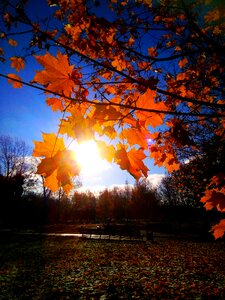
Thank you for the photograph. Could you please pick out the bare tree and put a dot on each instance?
(13, 153)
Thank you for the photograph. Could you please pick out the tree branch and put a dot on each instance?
(124, 106)
(134, 80)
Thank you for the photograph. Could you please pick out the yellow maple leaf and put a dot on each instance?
(57, 73)
(109, 131)
(49, 147)
(79, 127)
(51, 182)
(106, 152)
(13, 80)
(17, 63)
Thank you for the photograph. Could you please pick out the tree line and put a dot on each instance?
(174, 201)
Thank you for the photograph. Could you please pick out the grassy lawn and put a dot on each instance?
(68, 268)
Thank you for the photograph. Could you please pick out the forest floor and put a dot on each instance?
(48, 267)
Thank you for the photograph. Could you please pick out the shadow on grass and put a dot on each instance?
(50, 267)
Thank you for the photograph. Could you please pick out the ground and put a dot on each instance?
(43, 267)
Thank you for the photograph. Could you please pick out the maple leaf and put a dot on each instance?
(55, 103)
(182, 76)
(77, 126)
(214, 198)
(106, 152)
(182, 63)
(1, 52)
(181, 134)
(106, 113)
(213, 15)
(107, 74)
(17, 63)
(219, 229)
(132, 161)
(15, 84)
(12, 42)
(58, 170)
(74, 31)
(110, 132)
(57, 75)
(217, 181)
(119, 63)
(51, 181)
(136, 136)
(147, 101)
(164, 156)
(49, 147)
(152, 52)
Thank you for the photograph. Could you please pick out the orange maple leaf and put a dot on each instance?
(132, 161)
(58, 170)
(17, 63)
(152, 52)
(219, 229)
(57, 75)
(1, 52)
(214, 198)
(106, 113)
(164, 156)
(136, 136)
(15, 84)
(147, 101)
(182, 76)
(49, 147)
(182, 63)
(119, 63)
(12, 42)
(55, 103)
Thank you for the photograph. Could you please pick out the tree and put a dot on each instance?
(144, 201)
(13, 153)
(84, 206)
(16, 161)
(14, 176)
(104, 205)
(118, 71)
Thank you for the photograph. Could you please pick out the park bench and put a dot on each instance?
(117, 232)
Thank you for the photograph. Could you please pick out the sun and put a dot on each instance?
(88, 157)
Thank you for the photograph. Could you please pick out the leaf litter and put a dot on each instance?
(68, 268)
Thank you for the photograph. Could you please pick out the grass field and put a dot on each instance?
(38, 267)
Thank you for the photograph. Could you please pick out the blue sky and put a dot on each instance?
(24, 114)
